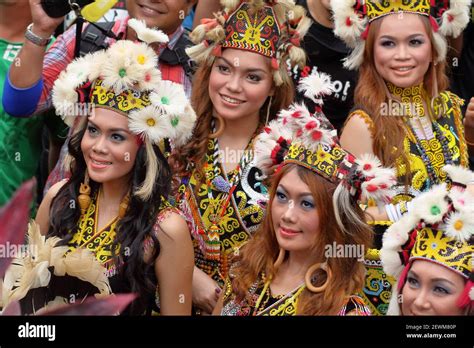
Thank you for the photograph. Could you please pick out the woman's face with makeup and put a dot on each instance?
(240, 83)
(402, 49)
(108, 147)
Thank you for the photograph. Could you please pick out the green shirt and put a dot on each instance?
(20, 138)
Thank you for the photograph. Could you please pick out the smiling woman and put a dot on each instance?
(109, 148)
(284, 269)
(114, 206)
(403, 112)
(239, 87)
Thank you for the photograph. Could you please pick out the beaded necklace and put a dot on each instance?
(225, 185)
(415, 96)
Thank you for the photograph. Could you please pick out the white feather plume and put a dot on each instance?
(146, 34)
(456, 18)
(459, 174)
(267, 141)
(393, 239)
(356, 58)
(343, 11)
(379, 180)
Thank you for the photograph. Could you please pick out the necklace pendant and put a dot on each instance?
(213, 244)
(221, 184)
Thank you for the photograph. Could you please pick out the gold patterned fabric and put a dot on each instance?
(260, 301)
(380, 8)
(450, 124)
(378, 286)
(241, 218)
(100, 242)
(432, 244)
(124, 103)
(329, 160)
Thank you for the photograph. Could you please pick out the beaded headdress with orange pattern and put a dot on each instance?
(352, 20)
(439, 228)
(125, 78)
(308, 140)
(272, 28)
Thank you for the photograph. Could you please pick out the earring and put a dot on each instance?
(84, 197)
(268, 110)
(309, 274)
(219, 131)
(280, 258)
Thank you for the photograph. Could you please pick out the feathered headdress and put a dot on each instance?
(352, 20)
(125, 78)
(439, 228)
(272, 28)
(308, 140)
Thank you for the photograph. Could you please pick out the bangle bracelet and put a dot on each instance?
(468, 142)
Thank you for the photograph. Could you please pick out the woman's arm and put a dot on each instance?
(174, 266)
(356, 136)
(469, 126)
(205, 291)
(42, 216)
(220, 303)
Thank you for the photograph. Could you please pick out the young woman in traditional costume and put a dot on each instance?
(430, 251)
(403, 113)
(292, 265)
(114, 204)
(241, 84)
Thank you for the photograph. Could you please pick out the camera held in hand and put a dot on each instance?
(60, 8)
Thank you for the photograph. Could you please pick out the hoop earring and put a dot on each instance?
(268, 110)
(324, 266)
(218, 132)
(84, 197)
(280, 258)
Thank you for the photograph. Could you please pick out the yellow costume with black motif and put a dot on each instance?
(101, 244)
(202, 203)
(260, 301)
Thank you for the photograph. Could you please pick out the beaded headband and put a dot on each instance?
(352, 20)
(125, 78)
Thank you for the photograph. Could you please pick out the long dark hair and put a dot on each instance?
(131, 230)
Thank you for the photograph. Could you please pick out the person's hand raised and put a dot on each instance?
(43, 25)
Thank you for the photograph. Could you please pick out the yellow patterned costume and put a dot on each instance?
(101, 242)
(240, 218)
(261, 302)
